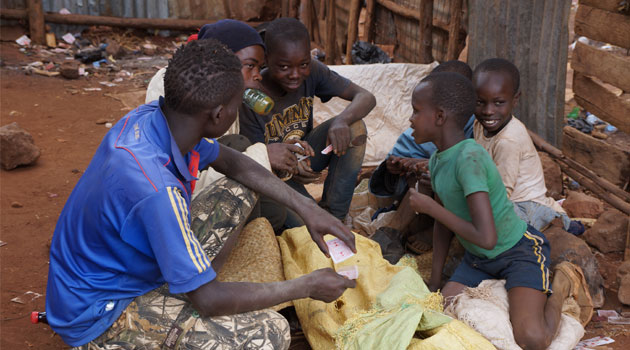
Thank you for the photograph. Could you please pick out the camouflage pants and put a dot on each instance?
(160, 320)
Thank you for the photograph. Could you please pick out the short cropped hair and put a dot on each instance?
(285, 29)
(500, 65)
(453, 93)
(202, 74)
(455, 66)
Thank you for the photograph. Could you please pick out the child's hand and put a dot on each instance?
(393, 165)
(420, 203)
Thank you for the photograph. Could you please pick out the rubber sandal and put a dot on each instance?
(416, 246)
(578, 289)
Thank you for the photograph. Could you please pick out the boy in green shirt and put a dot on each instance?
(499, 245)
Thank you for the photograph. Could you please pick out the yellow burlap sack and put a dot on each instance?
(388, 306)
(255, 257)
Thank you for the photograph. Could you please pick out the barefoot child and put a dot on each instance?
(499, 245)
(496, 82)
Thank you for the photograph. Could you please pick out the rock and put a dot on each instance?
(553, 176)
(608, 234)
(624, 290)
(16, 205)
(567, 247)
(17, 147)
(623, 269)
(149, 49)
(69, 70)
(101, 121)
(580, 205)
(113, 48)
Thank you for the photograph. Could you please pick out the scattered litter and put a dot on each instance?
(97, 64)
(26, 297)
(144, 58)
(49, 66)
(75, 171)
(351, 272)
(69, 38)
(107, 83)
(23, 40)
(52, 195)
(618, 320)
(51, 40)
(61, 140)
(3, 243)
(45, 72)
(35, 64)
(101, 121)
(108, 125)
(82, 71)
(339, 251)
(597, 341)
(92, 89)
(64, 11)
(118, 80)
(14, 113)
(16, 205)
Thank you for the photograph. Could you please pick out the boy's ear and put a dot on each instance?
(215, 115)
(440, 117)
(517, 95)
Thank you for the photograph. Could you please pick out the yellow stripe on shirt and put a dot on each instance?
(172, 193)
(199, 252)
(540, 258)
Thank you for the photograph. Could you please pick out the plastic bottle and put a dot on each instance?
(258, 101)
(574, 114)
(38, 317)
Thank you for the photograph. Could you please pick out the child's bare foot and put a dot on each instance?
(568, 281)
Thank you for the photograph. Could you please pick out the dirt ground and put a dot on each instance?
(62, 117)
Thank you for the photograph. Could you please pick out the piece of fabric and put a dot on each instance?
(236, 35)
(515, 155)
(146, 322)
(389, 304)
(392, 85)
(539, 215)
(292, 114)
(466, 168)
(486, 310)
(524, 265)
(125, 229)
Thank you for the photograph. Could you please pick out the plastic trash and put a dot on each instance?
(593, 119)
(366, 53)
(574, 114)
(609, 129)
(581, 125)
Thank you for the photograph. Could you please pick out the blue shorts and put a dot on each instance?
(524, 265)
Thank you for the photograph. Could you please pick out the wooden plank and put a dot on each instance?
(604, 26)
(608, 5)
(602, 102)
(453, 30)
(331, 20)
(606, 66)
(369, 20)
(143, 23)
(353, 28)
(36, 25)
(306, 17)
(426, 31)
(610, 161)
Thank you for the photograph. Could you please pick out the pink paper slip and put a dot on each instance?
(351, 272)
(327, 149)
(339, 251)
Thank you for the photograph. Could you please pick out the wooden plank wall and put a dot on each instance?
(534, 35)
(599, 80)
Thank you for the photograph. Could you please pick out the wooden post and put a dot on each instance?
(453, 29)
(330, 32)
(369, 20)
(426, 32)
(294, 8)
(284, 10)
(317, 36)
(226, 7)
(353, 28)
(36, 21)
(306, 18)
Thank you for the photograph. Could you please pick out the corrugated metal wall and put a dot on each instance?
(534, 35)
